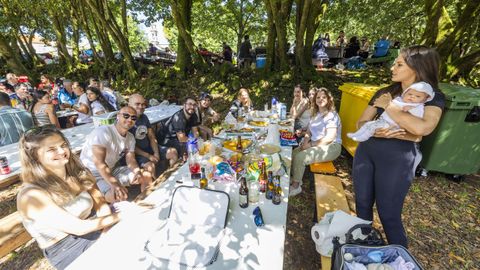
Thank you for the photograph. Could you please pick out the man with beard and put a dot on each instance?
(174, 132)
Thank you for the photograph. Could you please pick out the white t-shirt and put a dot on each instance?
(97, 107)
(107, 136)
(82, 117)
(318, 126)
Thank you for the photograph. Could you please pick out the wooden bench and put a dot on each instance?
(12, 234)
(330, 196)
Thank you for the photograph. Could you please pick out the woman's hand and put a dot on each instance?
(383, 101)
(390, 133)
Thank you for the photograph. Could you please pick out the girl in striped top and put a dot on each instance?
(42, 109)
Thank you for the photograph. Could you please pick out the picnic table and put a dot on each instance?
(244, 245)
(76, 136)
(335, 52)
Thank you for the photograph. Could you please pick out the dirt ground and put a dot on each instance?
(442, 219)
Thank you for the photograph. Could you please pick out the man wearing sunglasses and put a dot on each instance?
(180, 125)
(147, 152)
(105, 147)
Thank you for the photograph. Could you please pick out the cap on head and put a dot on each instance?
(422, 87)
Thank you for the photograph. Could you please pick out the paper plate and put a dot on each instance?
(269, 149)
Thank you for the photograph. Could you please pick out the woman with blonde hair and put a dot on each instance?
(322, 142)
(243, 101)
(60, 204)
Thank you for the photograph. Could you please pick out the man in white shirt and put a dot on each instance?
(104, 147)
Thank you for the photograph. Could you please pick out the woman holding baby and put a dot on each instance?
(384, 165)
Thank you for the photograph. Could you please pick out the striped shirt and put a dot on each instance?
(13, 123)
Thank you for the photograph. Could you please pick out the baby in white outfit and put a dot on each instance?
(412, 100)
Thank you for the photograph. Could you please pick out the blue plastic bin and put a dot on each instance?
(261, 61)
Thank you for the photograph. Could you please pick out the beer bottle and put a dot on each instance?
(203, 180)
(239, 146)
(263, 178)
(243, 193)
(277, 191)
(270, 187)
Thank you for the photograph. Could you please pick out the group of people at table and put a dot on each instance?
(23, 107)
(65, 199)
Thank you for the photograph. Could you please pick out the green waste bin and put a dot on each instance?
(454, 146)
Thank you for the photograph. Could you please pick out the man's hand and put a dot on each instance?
(120, 193)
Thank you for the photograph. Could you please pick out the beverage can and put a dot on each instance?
(4, 168)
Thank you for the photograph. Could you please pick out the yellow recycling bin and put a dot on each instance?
(355, 98)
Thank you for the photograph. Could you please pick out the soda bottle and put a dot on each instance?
(243, 193)
(270, 187)
(277, 192)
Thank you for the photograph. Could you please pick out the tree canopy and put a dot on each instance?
(452, 26)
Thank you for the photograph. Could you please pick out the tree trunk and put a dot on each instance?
(272, 35)
(11, 56)
(182, 13)
(60, 34)
(280, 11)
(105, 15)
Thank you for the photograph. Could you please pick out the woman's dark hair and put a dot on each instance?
(37, 95)
(101, 98)
(424, 61)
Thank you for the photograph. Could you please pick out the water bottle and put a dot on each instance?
(274, 105)
(283, 111)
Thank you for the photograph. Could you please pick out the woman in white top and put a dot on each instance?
(98, 103)
(60, 204)
(82, 105)
(322, 141)
(42, 109)
(300, 108)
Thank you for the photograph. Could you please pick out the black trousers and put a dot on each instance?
(382, 174)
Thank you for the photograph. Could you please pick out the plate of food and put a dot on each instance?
(285, 123)
(232, 144)
(269, 149)
(258, 123)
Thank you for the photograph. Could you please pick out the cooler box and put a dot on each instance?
(454, 146)
(261, 61)
(355, 98)
(104, 119)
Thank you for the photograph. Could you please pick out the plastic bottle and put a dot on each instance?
(274, 105)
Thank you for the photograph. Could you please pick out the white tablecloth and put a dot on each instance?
(245, 245)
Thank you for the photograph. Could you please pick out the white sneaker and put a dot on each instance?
(295, 191)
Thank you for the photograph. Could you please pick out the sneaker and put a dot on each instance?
(294, 191)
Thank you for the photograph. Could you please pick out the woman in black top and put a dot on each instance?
(383, 167)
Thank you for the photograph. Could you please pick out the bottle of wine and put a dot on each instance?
(243, 193)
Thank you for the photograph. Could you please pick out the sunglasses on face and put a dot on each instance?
(258, 218)
(127, 116)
